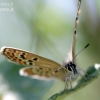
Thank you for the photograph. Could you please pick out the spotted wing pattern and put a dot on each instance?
(27, 58)
(40, 72)
(41, 67)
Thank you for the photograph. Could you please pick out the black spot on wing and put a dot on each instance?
(14, 59)
(41, 68)
(14, 50)
(20, 60)
(23, 53)
(35, 59)
(8, 53)
(22, 56)
(24, 63)
(12, 54)
(30, 63)
(56, 71)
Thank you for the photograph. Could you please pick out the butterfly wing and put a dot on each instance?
(73, 46)
(27, 58)
(41, 72)
(75, 30)
(41, 67)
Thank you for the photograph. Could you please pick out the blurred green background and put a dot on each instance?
(45, 27)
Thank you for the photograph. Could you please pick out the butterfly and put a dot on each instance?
(43, 68)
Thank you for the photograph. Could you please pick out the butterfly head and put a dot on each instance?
(71, 67)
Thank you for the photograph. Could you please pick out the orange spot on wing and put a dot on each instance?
(11, 54)
(29, 71)
(22, 63)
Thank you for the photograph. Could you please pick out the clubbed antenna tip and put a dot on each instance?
(81, 50)
(87, 45)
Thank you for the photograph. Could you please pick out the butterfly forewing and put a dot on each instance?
(27, 58)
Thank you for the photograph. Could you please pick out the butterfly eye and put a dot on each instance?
(69, 68)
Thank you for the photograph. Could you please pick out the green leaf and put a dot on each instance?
(93, 73)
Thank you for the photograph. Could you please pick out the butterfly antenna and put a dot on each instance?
(81, 50)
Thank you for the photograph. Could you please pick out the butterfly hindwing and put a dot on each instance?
(40, 72)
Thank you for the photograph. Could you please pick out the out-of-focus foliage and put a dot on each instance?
(45, 27)
(13, 84)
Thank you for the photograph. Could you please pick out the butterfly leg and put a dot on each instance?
(84, 72)
(83, 77)
(70, 80)
(65, 87)
(81, 70)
